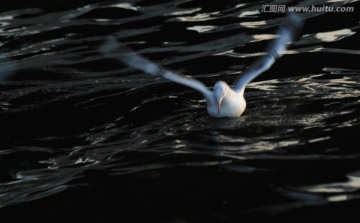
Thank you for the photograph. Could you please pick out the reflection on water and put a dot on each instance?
(125, 6)
(201, 29)
(67, 112)
(248, 13)
(255, 24)
(335, 35)
(351, 185)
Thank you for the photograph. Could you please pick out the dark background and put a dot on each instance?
(86, 139)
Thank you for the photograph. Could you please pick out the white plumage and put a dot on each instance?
(223, 101)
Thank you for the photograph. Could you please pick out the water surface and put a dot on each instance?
(85, 138)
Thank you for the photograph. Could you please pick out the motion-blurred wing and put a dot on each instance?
(287, 33)
(134, 60)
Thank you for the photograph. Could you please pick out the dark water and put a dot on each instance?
(86, 139)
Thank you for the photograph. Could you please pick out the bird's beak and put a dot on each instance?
(219, 105)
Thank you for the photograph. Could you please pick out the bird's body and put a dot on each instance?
(233, 103)
(222, 101)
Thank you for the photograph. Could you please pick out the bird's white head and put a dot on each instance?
(220, 90)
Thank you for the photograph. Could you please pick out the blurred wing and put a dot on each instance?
(130, 58)
(287, 33)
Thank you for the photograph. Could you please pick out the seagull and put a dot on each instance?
(223, 100)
